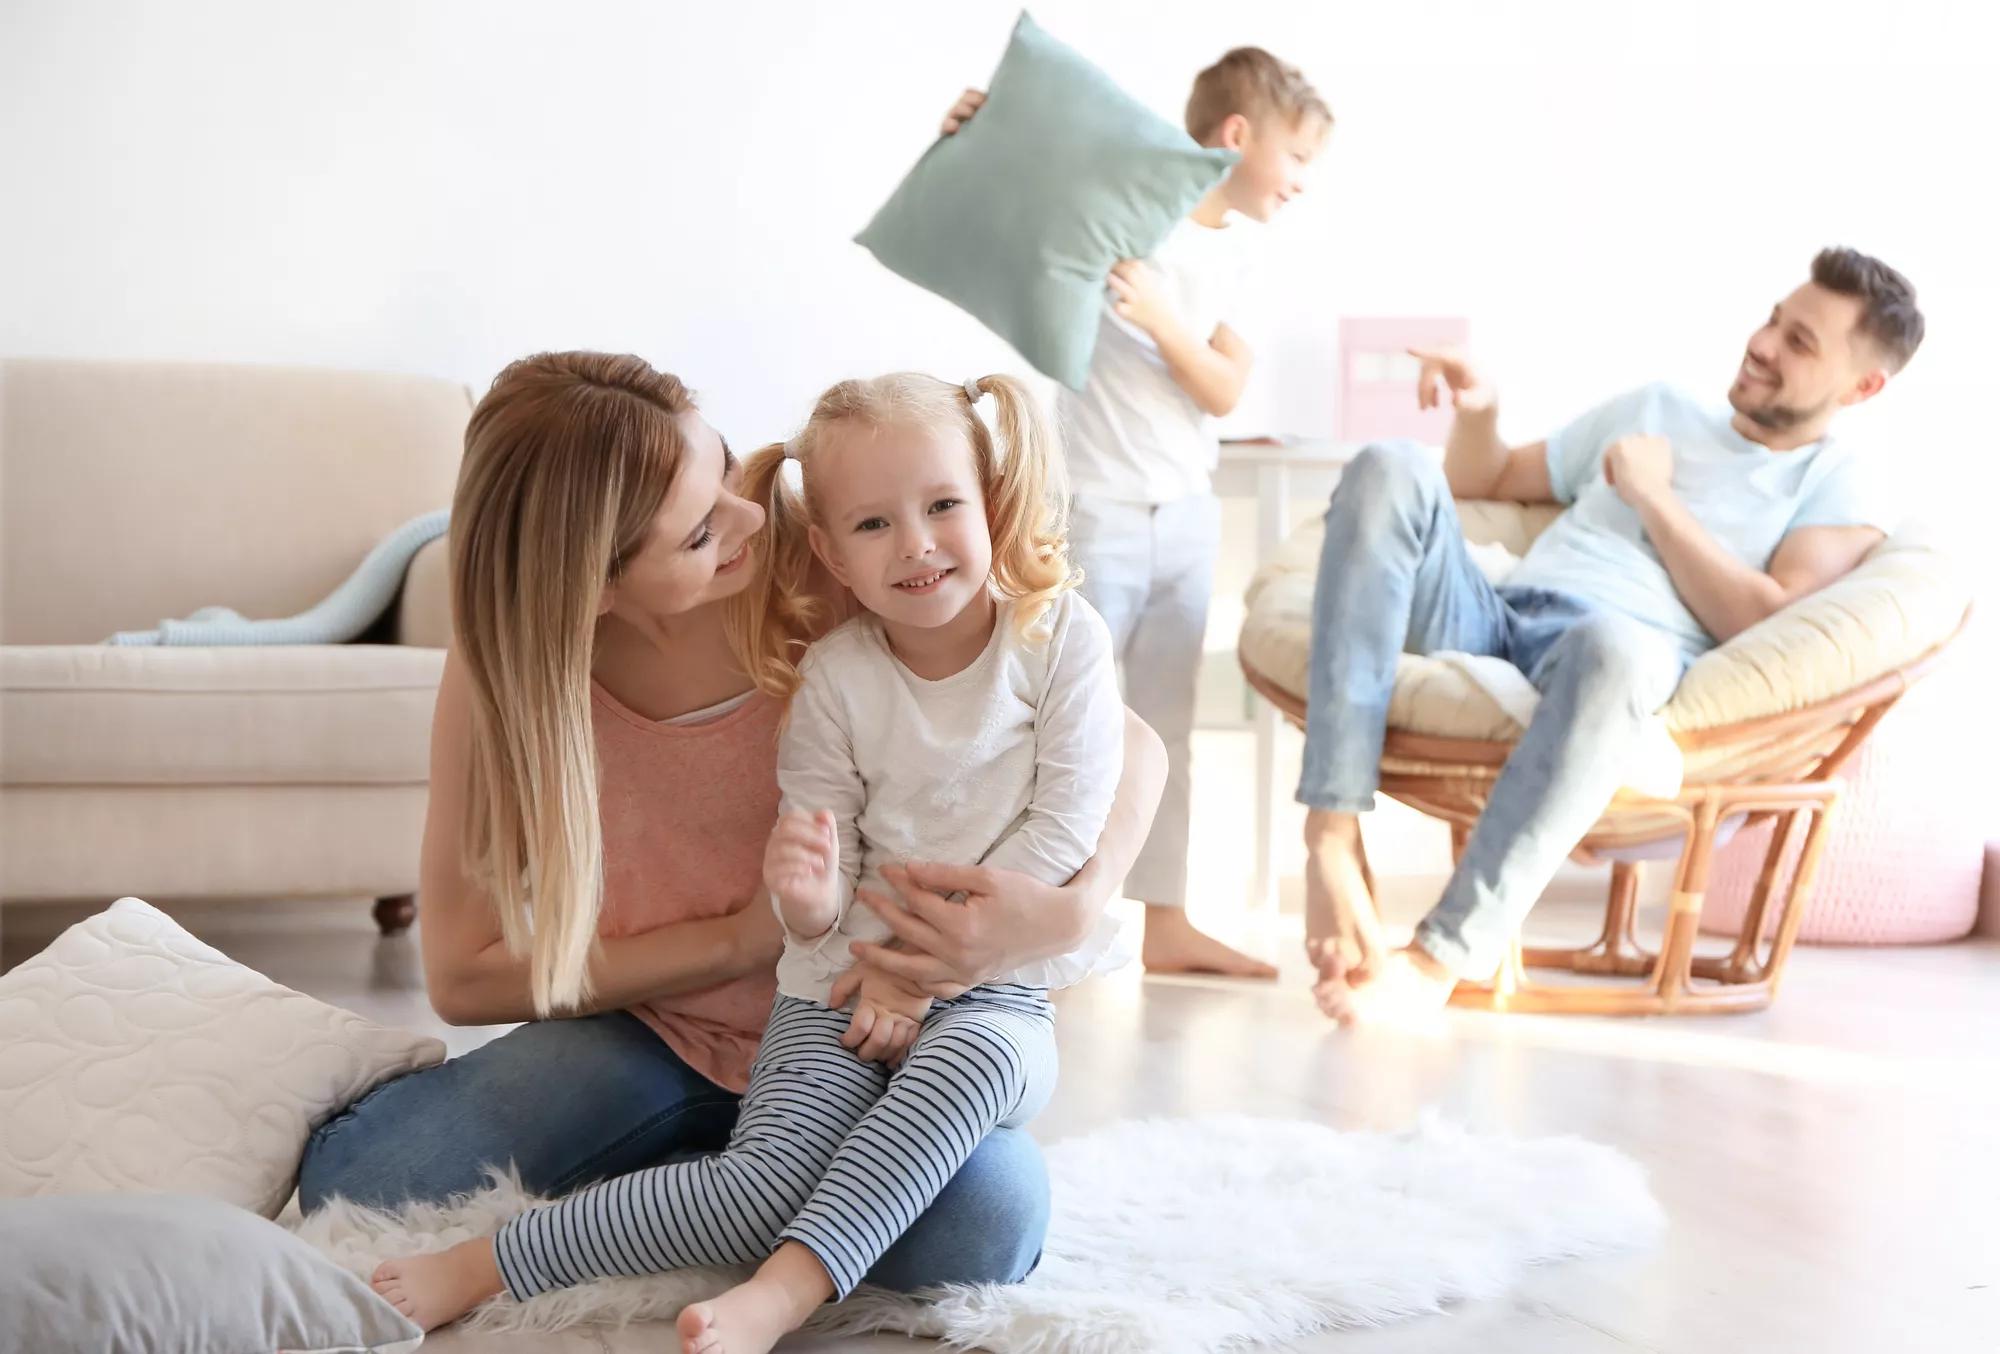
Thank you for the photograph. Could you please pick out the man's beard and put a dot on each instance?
(1778, 418)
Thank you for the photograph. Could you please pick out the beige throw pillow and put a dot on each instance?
(135, 1058)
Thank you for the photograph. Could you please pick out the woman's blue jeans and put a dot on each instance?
(569, 1102)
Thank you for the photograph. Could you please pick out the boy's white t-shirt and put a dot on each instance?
(1131, 434)
(1012, 762)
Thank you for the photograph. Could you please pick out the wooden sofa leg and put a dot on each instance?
(394, 915)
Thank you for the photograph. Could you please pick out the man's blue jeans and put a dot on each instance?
(569, 1102)
(1395, 577)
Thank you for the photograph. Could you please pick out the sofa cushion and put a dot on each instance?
(138, 490)
(315, 715)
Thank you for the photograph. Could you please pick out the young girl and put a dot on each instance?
(970, 713)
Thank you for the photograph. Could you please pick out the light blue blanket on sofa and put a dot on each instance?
(347, 611)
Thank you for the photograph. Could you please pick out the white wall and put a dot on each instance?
(1612, 193)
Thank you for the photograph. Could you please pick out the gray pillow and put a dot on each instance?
(172, 1274)
(1018, 218)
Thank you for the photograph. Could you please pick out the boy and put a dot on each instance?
(1142, 450)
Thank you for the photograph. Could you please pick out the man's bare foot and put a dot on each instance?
(1343, 930)
(760, 1311)
(440, 1287)
(1173, 945)
(1407, 987)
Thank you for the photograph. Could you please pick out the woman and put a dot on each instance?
(596, 738)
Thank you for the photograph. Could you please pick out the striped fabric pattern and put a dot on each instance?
(836, 1153)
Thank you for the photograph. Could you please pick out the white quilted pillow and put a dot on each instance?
(134, 1057)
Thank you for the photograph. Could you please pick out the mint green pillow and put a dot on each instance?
(1018, 218)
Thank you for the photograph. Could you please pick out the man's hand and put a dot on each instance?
(801, 870)
(961, 112)
(1453, 369)
(1640, 468)
(888, 1012)
(1137, 298)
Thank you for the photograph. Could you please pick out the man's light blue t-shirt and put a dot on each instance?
(1746, 495)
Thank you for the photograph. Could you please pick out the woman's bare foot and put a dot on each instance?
(1173, 945)
(760, 1311)
(1407, 987)
(442, 1286)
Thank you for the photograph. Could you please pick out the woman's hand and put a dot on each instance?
(757, 935)
(1007, 919)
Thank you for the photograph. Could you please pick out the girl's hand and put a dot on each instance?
(888, 1013)
(799, 870)
(1007, 919)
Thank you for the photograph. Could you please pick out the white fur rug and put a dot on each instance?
(1176, 1235)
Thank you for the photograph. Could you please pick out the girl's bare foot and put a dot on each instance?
(440, 1287)
(762, 1310)
(748, 1319)
(1173, 945)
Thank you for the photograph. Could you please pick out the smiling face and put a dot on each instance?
(1806, 361)
(698, 548)
(900, 520)
(1276, 154)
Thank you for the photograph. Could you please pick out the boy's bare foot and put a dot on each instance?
(1173, 945)
(760, 1311)
(1407, 987)
(1343, 930)
(440, 1287)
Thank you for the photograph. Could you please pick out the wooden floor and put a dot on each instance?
(1830, 1168)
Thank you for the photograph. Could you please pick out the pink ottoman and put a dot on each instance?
(1908, 843)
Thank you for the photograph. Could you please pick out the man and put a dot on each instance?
(1685, 526)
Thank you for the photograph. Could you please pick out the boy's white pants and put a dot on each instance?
(1149, 569)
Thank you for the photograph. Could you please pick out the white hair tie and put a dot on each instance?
(792, 470)
(983, 411)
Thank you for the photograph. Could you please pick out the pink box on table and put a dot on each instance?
(1378, 377)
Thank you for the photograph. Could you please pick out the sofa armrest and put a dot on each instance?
(423, 620)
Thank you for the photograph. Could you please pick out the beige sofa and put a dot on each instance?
(130, 492)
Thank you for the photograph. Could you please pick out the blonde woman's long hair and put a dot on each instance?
(567, 461)
(1020, 468)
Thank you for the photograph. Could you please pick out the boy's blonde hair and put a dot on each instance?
(1020, 476)
(1250, 81)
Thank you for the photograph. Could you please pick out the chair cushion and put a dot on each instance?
(1903, 600)
(314, 715)
(1018, 218)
